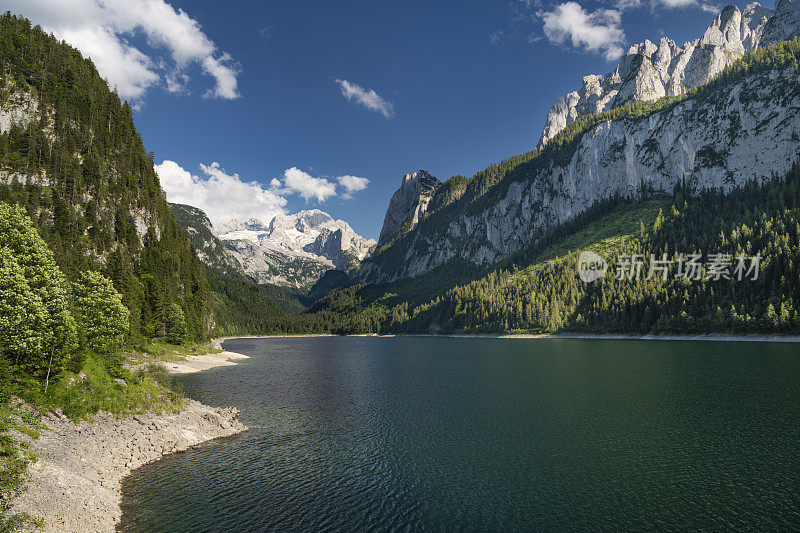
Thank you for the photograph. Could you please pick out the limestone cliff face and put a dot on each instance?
(741, 130)
(785, 23)
(408, 204)
(651, 71)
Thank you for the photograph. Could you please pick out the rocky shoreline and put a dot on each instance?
(75, 485)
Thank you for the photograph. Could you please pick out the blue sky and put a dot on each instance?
(459, 85)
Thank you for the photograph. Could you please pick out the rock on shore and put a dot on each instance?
(76, 483)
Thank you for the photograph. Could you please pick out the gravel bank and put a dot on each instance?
(198, 363)
(75, 484)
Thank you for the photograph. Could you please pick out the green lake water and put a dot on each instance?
(472, 434)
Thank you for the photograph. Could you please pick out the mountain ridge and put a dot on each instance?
(752, 126)
(650, 71)
(294, 250)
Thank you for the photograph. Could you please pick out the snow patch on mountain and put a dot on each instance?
(294, 250)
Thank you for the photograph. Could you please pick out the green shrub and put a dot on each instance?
(94, 389)
(101, 315)
(37, 331)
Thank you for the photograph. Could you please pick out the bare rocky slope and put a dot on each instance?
(744, 129)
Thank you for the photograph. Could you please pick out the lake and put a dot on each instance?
(476, 434)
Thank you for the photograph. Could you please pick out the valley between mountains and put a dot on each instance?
(679, 171)
(671, 134)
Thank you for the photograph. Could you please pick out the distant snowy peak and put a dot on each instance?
(294, 249)
(651, 71)
(298, 232)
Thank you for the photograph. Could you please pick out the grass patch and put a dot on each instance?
(93, 389)
(14, 454)
(15, 457)
(610, 231)
(79, 395)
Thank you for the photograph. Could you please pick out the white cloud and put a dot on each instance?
(222, 196)
(625, 5)
(226, 197)
(307, 186)
(100, 29)
(496, 37)
(599, 31)
(368, 98)
(224, 71)
(351, 185)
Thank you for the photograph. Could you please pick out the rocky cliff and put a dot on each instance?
(650, 71)
(294, 250)
(742, 126)
(408, 204)
(784, 23)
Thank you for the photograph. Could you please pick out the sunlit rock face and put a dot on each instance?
(747, 129)
(294, 250)
(408, 204)
(650, 71)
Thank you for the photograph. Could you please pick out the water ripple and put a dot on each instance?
(359, 434)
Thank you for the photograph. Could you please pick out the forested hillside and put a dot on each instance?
(538, 290)
(70, 154)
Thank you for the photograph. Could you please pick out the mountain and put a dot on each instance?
(408, 204)
(331, 280)
(538, 290)
(784, 23)
(209, 248)
(294, 250)
(71, 156)
(650, 71)
(743, 125)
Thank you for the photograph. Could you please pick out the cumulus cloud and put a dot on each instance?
(222, 196)
(101, 30)
(368, 98)
(599, 31)
(307, 186)
(351, 185)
